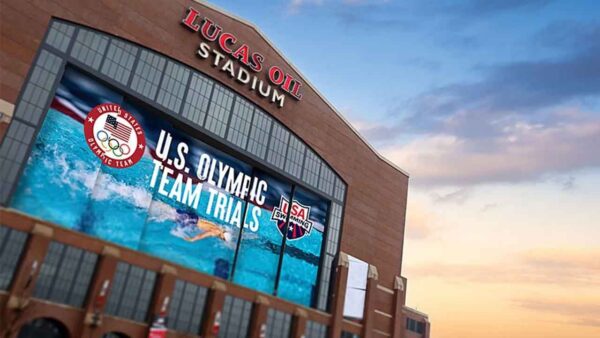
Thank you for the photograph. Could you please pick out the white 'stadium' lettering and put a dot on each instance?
(228, 48)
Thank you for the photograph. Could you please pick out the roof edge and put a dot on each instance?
(314, 88)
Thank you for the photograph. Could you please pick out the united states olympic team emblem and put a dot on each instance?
(300, 224)
(114, 135)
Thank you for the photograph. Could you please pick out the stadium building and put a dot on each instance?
(166, 172)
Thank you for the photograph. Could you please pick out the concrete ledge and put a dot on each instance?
(344, 260)
(301, 313)
(399, 284)
(111, 251)
(373, 274)
(17, 303)
(168, 270)
(260, 299)
(42, 230)
(218, 286)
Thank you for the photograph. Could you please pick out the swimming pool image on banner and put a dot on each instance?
(110, 166)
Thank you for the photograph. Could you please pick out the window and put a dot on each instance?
(65, 275)
(235, 318)
(415, 326)
(12, 243)
(147, 74)
(219, 110)
(278, 145)
(259, 134)
(295, 156)
(89, 48)
(119, 60)
(240, 123)
(327, 180)
(60, 35)
(196, 102)
(12, 154)
(300, 264)
(131, 292)
(278, 324)
(186, 307)
(312, 166)
(315, 330)
(173, 85)
(37, 90)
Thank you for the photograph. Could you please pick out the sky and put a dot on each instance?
(493, 107)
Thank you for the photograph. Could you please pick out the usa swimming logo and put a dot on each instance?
(300, 224)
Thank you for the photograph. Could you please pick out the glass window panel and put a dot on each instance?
(198, 97)
(340, 189)
(12, 155)
(239, 126)
(259, 134)
(312, 166)
(119, 60)
(219, 110)
(64, 275)
(327, 179)
(258, 255)
(12, 243)
(131, 292)
(295, 156)
(173, 85)
(148, 73)
(187, 307)
(235, 318)
(89, 47)
(315, 330)
(60, 35)
(37, 90)
(278, 145)
(298, 282)
(278, 324)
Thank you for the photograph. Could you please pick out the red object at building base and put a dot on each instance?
(158, 329)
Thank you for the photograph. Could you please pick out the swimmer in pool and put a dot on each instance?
(209, 229)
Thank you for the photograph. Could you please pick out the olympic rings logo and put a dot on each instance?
(111, 144)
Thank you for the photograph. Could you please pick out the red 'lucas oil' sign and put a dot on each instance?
(280, 83)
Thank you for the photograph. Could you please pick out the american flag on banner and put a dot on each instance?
(118, 130)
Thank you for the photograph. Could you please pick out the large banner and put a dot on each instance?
(110, 166)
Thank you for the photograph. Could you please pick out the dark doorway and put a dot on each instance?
(114, 335)
(43, 327)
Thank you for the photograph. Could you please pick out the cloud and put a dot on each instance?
(521, 152)
(554, 266)
(482, 7)
(296, 5)
(489, 206)
(459, 196)
(521, 121)
(585, 314)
